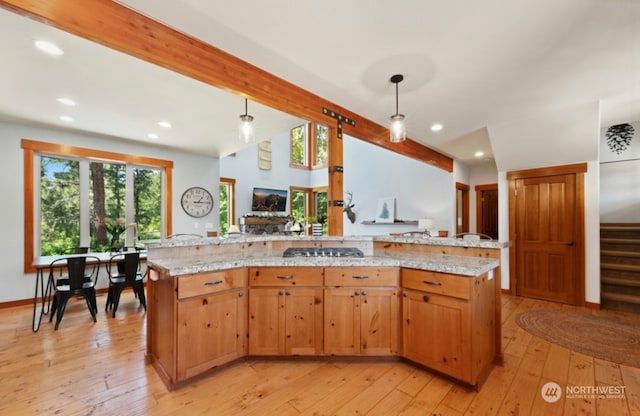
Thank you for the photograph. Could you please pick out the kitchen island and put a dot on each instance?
(431, 301)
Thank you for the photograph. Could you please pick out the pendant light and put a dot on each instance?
(247, 133)
(397, 129)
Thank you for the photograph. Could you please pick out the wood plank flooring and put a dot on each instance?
(98, 369)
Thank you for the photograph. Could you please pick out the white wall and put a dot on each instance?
(243, 167)
(421, 190)
(189, 170)
(620, 180)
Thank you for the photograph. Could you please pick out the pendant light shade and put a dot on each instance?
(397, 129)
(247, 133)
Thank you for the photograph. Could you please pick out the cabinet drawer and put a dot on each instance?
(441, 283)
(360, 276)
(206, 283)
(285, 276)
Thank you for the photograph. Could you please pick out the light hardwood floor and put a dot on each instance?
(98, 369)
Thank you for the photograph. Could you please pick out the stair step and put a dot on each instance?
(620, 281)
(619, 253)
(620, 297)
(618, 266)
(619, 240)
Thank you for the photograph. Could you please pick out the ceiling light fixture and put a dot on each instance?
(67, 119)
(247, 133)
(66, 101)
(436, 127)
(152, 136)
(48, 47)
(397, 129)
(164, 124)
(479, 153)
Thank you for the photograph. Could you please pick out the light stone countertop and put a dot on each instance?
(462, 265)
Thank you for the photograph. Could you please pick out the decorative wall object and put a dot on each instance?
(386, 210)
(348, 208)
(264, 155)
(619, 137)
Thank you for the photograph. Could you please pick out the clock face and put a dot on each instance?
(197, 202)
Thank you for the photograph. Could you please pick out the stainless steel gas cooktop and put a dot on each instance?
(322, 252)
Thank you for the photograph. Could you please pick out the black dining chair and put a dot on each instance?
(72, 284)
(126, 273)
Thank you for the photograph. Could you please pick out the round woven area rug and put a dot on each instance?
(597, 336)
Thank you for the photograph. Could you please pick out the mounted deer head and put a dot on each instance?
(347, 208)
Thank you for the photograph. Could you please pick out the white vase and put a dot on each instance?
(316, 230)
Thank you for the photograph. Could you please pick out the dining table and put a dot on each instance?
(43, 291)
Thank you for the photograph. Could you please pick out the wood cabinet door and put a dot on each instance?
(342, 321)
(266, 329)
(379, 321)
(211, 331)
(437, 333)
(303, 312)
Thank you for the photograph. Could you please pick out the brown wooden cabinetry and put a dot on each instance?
(285, 311)
(448, 322)
(204, 315)
(361, 311)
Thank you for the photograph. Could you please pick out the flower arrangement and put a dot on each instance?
(115, 228)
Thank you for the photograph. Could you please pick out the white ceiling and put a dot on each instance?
(485, 70)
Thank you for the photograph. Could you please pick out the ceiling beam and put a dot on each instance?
(118, 27)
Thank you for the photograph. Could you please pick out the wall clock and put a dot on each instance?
(197, 202)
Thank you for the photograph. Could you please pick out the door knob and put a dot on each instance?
(569, 243)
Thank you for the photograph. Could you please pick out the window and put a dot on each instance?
(309, 202)
(77, 191)
(307, 148)
(321, 145)
(299, 146)
(227, 204)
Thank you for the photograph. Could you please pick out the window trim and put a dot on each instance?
(313, 144)
(231, 202)
(33, 147)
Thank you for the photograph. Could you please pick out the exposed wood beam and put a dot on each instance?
(120, 28)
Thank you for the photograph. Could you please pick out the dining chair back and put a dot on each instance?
(125, 274)
(72, 284)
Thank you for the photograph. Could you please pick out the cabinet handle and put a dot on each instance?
(360, 277)
(425, 298)
(217, 282)
(240, 294)
(287, 277)
(356, 293)
(364, 293)
(281, 292)
(405, 295)
(287, 293)
(429, 282)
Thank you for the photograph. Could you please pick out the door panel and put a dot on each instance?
(545, 228)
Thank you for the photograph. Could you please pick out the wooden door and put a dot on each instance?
(303, 321)
(546, 237)
(487, 211)
(379, 321)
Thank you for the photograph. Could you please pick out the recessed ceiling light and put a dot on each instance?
(479, 153)
(164, 124)
(153, 136)
(436, 127)
(48, 47)
(66, 101)
(68, 119)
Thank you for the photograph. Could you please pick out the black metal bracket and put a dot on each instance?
(336, 203)
(336, 168)
(340, 118)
